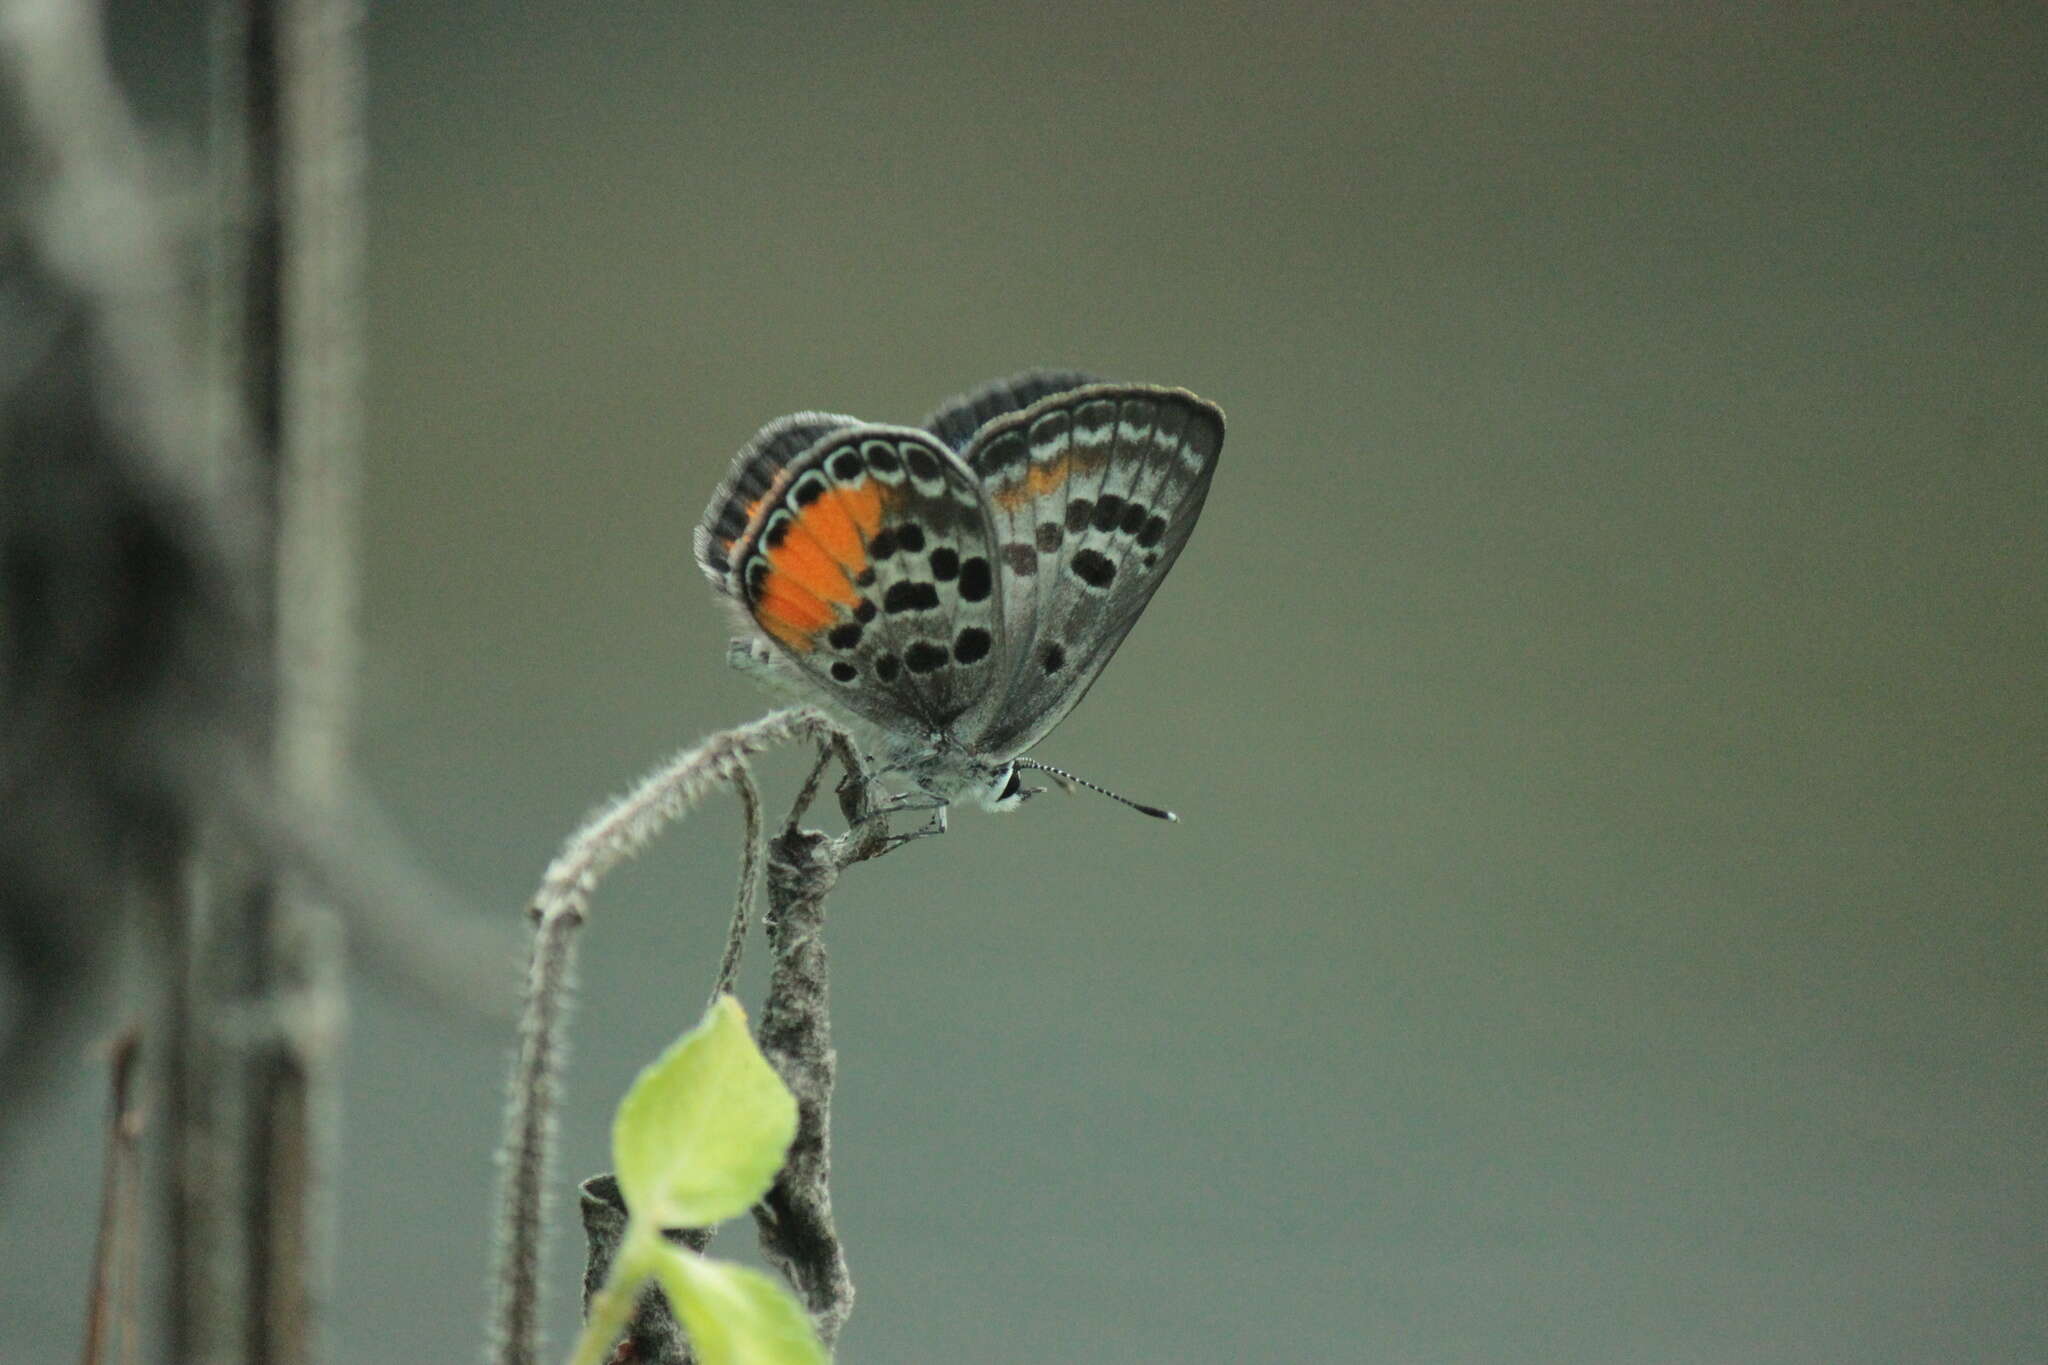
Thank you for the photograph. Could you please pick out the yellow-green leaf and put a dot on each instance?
(703, 1131)
(736, 1316)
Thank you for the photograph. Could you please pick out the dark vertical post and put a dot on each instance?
(288, 152)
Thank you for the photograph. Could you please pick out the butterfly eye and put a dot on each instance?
(1005, 791)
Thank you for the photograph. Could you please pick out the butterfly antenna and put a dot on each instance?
(1155, 812)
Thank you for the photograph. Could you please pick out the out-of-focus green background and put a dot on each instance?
(1605, 697)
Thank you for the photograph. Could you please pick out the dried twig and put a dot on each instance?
(750, 885)
(110, 1309)
(795, 1220)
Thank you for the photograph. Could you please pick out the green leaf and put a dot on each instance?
(703, 1131)
(736, 1316)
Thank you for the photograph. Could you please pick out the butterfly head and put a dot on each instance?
(1004, 789)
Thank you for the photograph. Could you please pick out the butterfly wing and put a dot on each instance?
(755, 471)
(1091, 494)
(866, 562)
(957, 422)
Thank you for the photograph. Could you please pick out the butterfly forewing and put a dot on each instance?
(867, 564)
(1091, 495)
(755, 472)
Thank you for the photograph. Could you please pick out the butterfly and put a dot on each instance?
(947, 593)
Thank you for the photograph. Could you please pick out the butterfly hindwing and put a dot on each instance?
(867, 564)
(956, 423)
(1091, 495)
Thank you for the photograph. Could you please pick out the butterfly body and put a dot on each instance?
(949, 592)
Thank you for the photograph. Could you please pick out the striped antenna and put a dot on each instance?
(1064, 776)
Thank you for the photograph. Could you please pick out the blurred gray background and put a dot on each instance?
(1604, 697)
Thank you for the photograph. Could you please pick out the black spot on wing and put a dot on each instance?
(925, 657)
(1094, 568)
(910, 595)
(972, 645)
(976, 579)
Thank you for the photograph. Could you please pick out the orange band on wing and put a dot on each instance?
(810, 574)
(803, 563)
(1043, 479)
(789, 613)
(843, 520)
(825, 545)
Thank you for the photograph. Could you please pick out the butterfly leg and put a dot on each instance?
(935, 825)
(913, 801)
(750, 657)
(900, 803)
(758, 662)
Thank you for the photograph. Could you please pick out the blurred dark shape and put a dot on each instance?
(121, 647)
